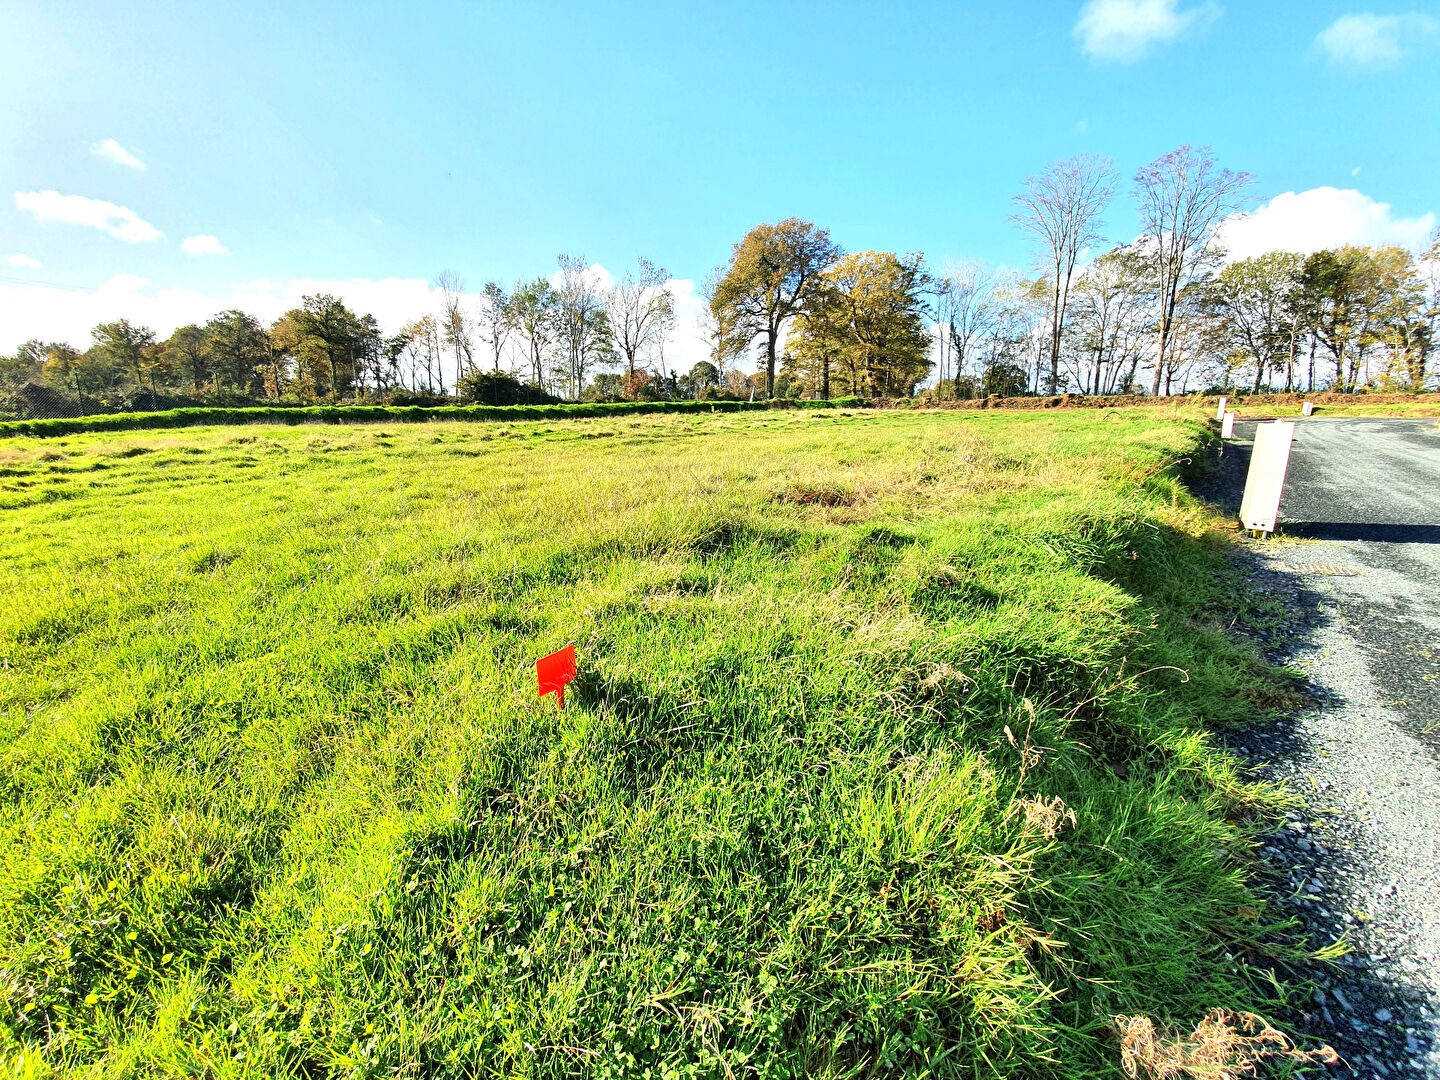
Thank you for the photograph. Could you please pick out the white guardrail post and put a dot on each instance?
(1220, 410)
(1227, 425)
(1265, 483)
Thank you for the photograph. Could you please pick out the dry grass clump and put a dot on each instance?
(1225, 1045)
(1048, 817)
(941, 675)
(817, 494)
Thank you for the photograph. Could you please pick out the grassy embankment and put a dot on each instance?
(1420, 408)
(280, 800)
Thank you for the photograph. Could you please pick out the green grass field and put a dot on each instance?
(888, 754)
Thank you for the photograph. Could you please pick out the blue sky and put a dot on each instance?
(378, 144)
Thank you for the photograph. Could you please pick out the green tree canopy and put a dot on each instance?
(1257, 309)
(329, 344)
(772, 276)
(125, 352)
(239, 349)
(866, 328)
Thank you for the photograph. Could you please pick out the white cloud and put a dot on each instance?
(1366, 40)
(31, 311)
(203, 244)
(113, 151)
(1124, 30)
(1322, 217)
(26, 261)
(688, 344)
(119, 221)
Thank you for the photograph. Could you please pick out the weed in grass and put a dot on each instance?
(1225, 1045)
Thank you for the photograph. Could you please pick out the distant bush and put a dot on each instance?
(500, 388)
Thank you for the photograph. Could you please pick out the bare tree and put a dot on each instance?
(1429, 269)
(419, 346)
(966, 307)
(642, 312)
(582, 323)
(455, 324)
(1061, 208)
(1195, 339)
(1109, 327)
(1183, 197)
(497, 319)
(707, 326)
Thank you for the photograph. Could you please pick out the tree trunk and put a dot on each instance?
(1054, 355)
(770, 337)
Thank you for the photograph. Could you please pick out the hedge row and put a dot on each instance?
(372, 414)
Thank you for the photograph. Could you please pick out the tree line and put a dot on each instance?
(542, 340)
(1164, 312)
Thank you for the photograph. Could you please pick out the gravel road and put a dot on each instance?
(1357, 563)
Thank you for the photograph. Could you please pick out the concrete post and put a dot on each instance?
(1265, 483)
(1227, 426)
(1306, 408)
(1220, 411)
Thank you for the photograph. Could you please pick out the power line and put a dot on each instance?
(48, 284)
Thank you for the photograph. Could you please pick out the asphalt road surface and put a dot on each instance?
(1357, 560)
(1380, 477)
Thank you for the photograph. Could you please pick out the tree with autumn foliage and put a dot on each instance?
(866, 331)
(774, 275)
(332, 349)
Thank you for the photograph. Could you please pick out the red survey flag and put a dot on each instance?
(554, 671)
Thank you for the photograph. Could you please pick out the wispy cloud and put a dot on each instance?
(1125, 30)
(113, 151)
(203, 244)
(1366, 40)
(118, 221)
(1322, 217)
(26, 262)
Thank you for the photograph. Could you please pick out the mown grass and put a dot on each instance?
(279, 798)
